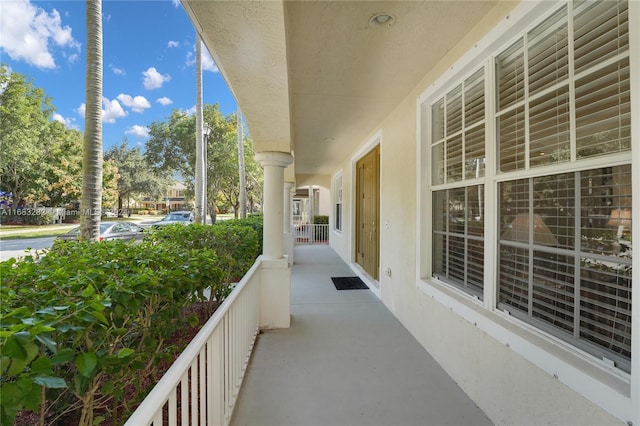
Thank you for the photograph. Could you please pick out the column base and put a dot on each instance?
(275, 293)
(289, 243)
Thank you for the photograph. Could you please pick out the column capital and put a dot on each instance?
(274, 158)
(288, 186)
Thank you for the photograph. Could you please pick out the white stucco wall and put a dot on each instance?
(508, 387)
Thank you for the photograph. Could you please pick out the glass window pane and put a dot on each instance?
(454, 111)
(437, 121)
(548, 52)
(605, 198)
(474, 157)
(437, 164)
(454, 159)
(475, 266)
(510, 76)
(549, 128)
(553, 289)
(554, 211)
(511, 140)
(514, 210)
(603, 111)
(475, 210)
(601, 31)
(474, 99)
(605, 306)
(440, 211)
(514, 278)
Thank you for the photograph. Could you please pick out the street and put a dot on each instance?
(16, 248)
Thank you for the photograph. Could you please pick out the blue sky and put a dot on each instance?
(148, 53)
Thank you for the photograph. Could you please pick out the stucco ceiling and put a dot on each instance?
(315, 77)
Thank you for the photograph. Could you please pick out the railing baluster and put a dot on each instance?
(202, 393)
(210, 370)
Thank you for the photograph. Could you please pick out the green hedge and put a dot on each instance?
(87, 320)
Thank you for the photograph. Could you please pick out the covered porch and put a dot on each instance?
(345, 360)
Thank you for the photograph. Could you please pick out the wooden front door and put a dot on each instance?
(368, 212)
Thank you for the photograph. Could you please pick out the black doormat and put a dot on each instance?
(349, 283)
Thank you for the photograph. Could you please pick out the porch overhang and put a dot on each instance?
(315, 78)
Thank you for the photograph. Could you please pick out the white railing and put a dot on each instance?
(201, 386)
(311, 233)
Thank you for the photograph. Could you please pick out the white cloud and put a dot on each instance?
(117, 71)
(69, 123)
(137, 104)
(31, 34)
(153, 79)
(173, 43)
(176, 3)
(112, 110)
(164, 101)
(208, 63)
(137, 130)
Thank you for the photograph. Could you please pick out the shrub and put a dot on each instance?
(89, 319)
(321, 220)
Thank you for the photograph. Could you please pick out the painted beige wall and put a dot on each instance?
(508, 388)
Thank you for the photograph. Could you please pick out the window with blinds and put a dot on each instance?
(458, 156)
(337, 191)
(564, 242)
(562, 97)
(458, 237)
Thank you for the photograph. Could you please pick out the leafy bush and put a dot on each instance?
(41, 218)
(321, 220)
(89, 319)
(254, 221)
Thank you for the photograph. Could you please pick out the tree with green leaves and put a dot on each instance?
(135, 175)
(171, 148)
(25, 111)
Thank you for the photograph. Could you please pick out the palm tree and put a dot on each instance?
(91, 199)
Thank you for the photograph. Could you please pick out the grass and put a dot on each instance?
(33, 233)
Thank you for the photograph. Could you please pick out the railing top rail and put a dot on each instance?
(161, 391)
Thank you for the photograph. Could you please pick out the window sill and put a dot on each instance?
(600, 383)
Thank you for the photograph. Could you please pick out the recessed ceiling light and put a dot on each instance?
(382, 19)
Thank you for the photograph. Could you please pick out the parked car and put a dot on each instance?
(125, 231)
(183, 217)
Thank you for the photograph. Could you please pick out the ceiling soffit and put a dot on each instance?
(247, 42)
(315, 77)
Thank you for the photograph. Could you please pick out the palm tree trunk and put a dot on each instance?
(243, 177)
(91, 198)
(201, 167)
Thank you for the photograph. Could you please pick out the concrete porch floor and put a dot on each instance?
(346, 360)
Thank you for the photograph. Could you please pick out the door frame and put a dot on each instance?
(375, 140)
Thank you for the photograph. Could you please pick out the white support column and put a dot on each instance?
(273, 164)
(275, 286)
(288, 238)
